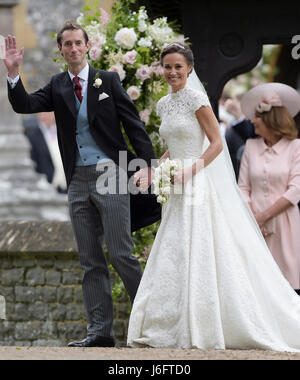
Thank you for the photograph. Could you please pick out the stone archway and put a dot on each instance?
(227, 38)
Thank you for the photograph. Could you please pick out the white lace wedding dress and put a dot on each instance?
(210, 281)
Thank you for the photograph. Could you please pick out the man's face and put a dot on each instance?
(74, 47)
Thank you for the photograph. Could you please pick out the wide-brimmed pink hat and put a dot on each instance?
(263, 97)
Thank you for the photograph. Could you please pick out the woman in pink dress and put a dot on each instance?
(270, 173)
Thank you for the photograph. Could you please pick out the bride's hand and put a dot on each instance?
(182, 176)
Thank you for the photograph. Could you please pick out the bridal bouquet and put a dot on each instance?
(162, 179)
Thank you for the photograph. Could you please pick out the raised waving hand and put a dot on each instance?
(13, 57)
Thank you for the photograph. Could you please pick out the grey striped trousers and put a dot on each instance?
(95, 218)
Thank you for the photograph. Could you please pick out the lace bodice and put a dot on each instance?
(180, 127)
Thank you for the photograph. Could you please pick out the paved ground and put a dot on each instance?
(59, 353)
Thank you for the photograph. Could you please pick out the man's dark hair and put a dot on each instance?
(71, 25)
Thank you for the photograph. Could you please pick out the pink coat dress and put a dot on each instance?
(267, 174)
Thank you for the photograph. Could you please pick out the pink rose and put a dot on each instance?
(133, 92)
(129, 57)
(145, 115)
(157, 68)
(98, 40)
(95, 53)
(118, 68)
(143, 73)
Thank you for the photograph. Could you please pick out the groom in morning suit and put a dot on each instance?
(89, 134)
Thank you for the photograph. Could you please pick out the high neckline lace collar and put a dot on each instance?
(179, 92)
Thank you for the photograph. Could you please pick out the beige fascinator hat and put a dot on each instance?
(263, 97)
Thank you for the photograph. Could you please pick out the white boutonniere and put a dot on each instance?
(98, 81)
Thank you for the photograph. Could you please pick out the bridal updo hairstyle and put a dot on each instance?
(177, 47)
(280, 122)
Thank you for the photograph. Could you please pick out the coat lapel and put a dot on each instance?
(68, 94)
(92, 96)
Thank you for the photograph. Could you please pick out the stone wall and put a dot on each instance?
(40, 277)
(35, 22)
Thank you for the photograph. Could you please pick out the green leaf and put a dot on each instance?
(86, 8)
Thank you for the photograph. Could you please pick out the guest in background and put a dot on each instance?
(239, 131)
(225, 118)
(42, 135)
(270, 172)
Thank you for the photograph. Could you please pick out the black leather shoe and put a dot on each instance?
(94, 341)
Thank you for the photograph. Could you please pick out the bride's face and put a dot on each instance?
(176, 70)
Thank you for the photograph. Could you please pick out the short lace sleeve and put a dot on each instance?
(197, 100)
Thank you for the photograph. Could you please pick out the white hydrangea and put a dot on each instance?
(160, 32)
(93, 30)
(80, 19)
(126, 38)
(143, 14)
(142, 17)
(142, 26)
(162, 179)
(145, 42)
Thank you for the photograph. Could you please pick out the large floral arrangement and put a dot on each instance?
(128, 42)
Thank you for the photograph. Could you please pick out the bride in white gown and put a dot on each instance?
(210, 281)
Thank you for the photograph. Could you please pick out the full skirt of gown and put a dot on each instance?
(210, 281)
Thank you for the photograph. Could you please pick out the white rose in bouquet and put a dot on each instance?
(162, 179)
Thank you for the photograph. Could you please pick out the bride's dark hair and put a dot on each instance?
(177, 47)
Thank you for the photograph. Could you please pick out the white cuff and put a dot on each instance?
(13, 82)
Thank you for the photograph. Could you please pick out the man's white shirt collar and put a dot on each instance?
(84, 74)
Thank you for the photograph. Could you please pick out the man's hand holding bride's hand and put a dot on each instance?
(13, 57)
(143, 178)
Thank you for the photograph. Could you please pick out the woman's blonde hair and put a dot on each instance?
(280, 122)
